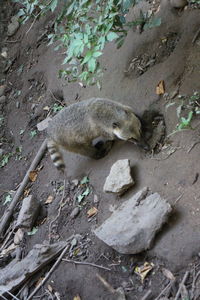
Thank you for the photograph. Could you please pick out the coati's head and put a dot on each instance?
(129, 128)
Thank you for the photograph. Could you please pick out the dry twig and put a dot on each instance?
(86, 263)
(106, 284)
(7, 215)
(50, 271)
(147, 295)
(185, 277)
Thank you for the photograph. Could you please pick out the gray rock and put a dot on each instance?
(13, 26)
(2, 99)
(2, 90)
(1, 152)
(119, 179)
(132, 227)
(43, 124)
(28, 213)
(75, 212)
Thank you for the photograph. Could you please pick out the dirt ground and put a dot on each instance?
(33, 88)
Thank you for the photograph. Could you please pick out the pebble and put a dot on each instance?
(17, 104)
(2, 90)
(75, 212)
(13, 26)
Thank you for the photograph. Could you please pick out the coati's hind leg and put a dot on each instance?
(55, 154)
(101, 147)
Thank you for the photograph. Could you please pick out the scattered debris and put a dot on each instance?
(43, 124)
(28, 213)
(119, 292)
(7, 215)
(144, 270)
(33, 175)
(119, 180)
(17, 272)
(157, 135)
(13, 26)
(132, 227)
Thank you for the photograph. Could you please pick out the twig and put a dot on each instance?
(177, 199)
(147, 295)
(7, 238)
(56, 98)
(196, 36)
(181, 284)
(50, 271)
(164, 290)
(6, 217)
(106, 284)
(86, 263)
(194, 282)
(193, 146)
(59, 209)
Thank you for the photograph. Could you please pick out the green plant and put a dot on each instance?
(57, 107)
(82, 29)
(5, 159)
(33, 133)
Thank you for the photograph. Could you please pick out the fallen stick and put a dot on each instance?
(50, 271)
(148, 295)
(7, 215)
(181, 284)
(85, 263)
(106, 284)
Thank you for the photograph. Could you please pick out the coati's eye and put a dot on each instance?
(116, 125)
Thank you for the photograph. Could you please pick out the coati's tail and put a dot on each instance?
(55, 154)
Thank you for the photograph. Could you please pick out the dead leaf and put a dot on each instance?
(49, 287)
(46, 108)
(144, 270)
(77, 297)
(27, 192)
(92, 212)
(49, 199)
(33, 175)
(160, 89)
(8, 250)
(39, 281)
(168, 274)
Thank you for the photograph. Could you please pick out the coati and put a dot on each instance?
(90, 128)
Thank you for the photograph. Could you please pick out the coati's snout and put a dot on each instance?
(130, 130)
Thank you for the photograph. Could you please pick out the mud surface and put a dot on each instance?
(33, 92)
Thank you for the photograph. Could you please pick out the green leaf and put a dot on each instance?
(97, 54)
(53, 5)
(80, 198)
(33, 133)
(111, 36)
(85, 180)
(8, 199)
(92, 65)
(33, 231)
(155, 22)
(86, 192)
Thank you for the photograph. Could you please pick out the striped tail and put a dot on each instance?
(55, 154)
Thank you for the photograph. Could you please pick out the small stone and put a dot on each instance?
(75, 212)
(18, 237)
(28, 213)
(96, 199)
(1, 152)
(132, 227)
(119, 179)
(43, 124)
(2, 99)
(17, 104)
(178, 3)
(13, 26)
(2, 90)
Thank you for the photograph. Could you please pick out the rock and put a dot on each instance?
(28, 213)
(75, 212)
(119, 179)
(43, 124)
(17, 272)
(1, 152)
(2, 90)
(132, 227)
(13, 26)
(17, 104)
(2, 99)
(178, 3)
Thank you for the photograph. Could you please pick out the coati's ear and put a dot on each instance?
(116, 125)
